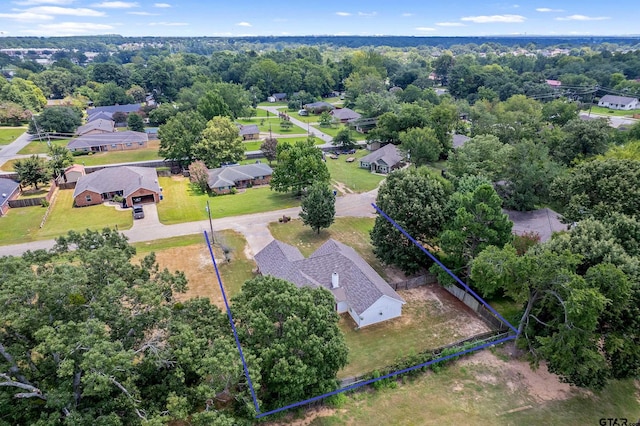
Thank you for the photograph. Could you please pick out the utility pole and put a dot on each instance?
(210, 222)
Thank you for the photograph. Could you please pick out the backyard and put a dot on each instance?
(351, 175)
(255, 145)
(273, 123)
(41, 147)
(9, 134)
(183, 204)
(613, 112)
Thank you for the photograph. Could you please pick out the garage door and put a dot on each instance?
(144, 199)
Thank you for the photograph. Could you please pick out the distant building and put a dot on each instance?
(249, 132)
(554, 83)
(97, 127)
(618, 102)
(115, 141)
(224, 179)
(383, 160)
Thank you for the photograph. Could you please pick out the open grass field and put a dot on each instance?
(484, 390)
(263, 125)
(431, 318)
(41, 147)
(273, 104)
(351, 175)
(255, 145)
(258, 113)
(191, 255)
(612, 112)
(9, 134)
(182, 204)
(22, 225)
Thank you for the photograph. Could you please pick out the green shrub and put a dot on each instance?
(44, 203)
(337, 401)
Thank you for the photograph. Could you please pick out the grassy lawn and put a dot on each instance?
(9, 134)
(255, 145)
(182, 204)
(351, 175)
(273, 104)
(258, 113)
(41, 147)
(252, 146)
(613, 112)
(191, 255)
(352, 231)
(311, 118)
(480, 394)
(331, 131)
(263, 123)
(20, 225)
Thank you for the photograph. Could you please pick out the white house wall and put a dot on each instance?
(385, 308)
(342, 307)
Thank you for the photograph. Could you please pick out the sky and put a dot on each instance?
(193, 18)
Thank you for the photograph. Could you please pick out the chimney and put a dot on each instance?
(335, 280)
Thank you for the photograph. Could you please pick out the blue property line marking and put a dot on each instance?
(386, 376)
(233, 327)
(458, 280)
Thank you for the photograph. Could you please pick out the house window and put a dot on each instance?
(129, 144)
(140, 143)
(113, 145)
(87, 198)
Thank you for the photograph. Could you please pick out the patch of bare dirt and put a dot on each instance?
(310, 416)
(542, 385)
(341, 187)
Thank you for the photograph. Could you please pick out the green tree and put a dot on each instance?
(160, 115)
(286, 125)
(135, 123)
(420, 145)
(59, 159)
(199, 176)
(57, 119)
(269, 148)
(24, 93)
(344, 140)
(179, 136)
(443, 119)
(212, 105)
(583, 139)
(112, 94)
(326, 119)
(299, 166)
(318, 208)
(32, 171)
(418, 202)
(220, 143)
(12, 114)
(560, 111)
(137, 93)
(294, 333)
(482, 155)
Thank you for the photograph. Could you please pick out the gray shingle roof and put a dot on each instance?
(228, 176)
(318, 105)
(345, 114)
(250, 129)
(100, 115)
(389, 154)
(360, 284)
(7, 186)
(459, 140)
(115, 108)
(621, 100)
(99, 124)
(125, 178)
(89, 141)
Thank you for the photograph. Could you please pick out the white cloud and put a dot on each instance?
(143, 13)
(425, 29)
(69, 28)
(450, 24)
(547, 10)
(116, 5)
(26, 17)
(406, 15)
(37, 2)
(509, 19)
(343, 14)
(583, 18)
(168, 24)
(161, 5)
(56, 10)
(244, 24)
(367, 14)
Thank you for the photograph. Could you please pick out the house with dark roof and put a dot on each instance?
(96, 127)
(115, 141)
(459, 140)
(345, 115)
(126, 109)
(224, 179)
(318, 107)
(618, 102)
(383, 160)
(135, 184)
(277, 97)
(100, 115)
(9, 190)
(249, 132)
(355, 285)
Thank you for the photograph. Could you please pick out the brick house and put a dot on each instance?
(135, 184)
(115, 141)
(222, 180)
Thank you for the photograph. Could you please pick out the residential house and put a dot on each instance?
(277, 97)
(96, 127)
(459, 140)
(618, 102)
(383, 160)
(555, 84)
(249, 132)
(135, 184)
(224, 179)
(318, 107)
(126, 109)
(344, 115)
(355, 285)
(100, 115)
(116, 141)
(9, 190)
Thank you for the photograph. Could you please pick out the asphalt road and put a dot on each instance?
(10, 151)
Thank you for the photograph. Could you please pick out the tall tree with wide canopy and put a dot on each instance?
(300, 165)
(294, 333)
(32, 171)
(417, 201)
(220, 143)
(318, 208)
(179, 135)
(57, 119)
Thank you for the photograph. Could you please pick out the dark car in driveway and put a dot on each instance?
(138, 211)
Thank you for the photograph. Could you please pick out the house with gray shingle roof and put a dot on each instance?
(459, 140)
(100, 115)
(383, 160)
(319, 107)
(618, 102)
(134, 184)
(357, 288)
(97, 126)
(249, 132)
(9, 190)
(345, 115)
(114, 141)
(223, 179)
(127, 108)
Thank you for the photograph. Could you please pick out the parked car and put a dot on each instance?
(138, 211)
(303, 112)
